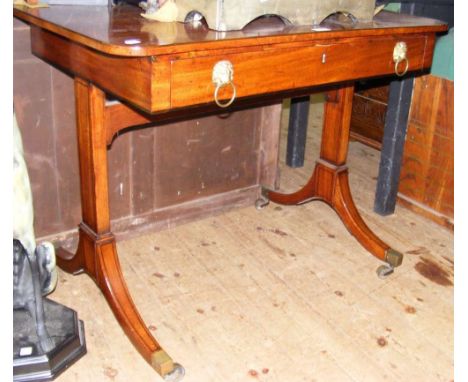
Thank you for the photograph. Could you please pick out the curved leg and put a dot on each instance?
(110, 279)
(97, 253)
(329, 181)
(70, 262)
(343, 204)
(304, 195)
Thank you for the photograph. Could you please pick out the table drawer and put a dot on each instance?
(274, 69)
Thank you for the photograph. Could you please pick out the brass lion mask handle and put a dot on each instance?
(223, 75)
(400, 55)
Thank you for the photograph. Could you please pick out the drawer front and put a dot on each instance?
(276, 69)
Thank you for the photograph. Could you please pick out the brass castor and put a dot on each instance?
(261, 203)
(393, 259)
(384, 271)
(176, 375)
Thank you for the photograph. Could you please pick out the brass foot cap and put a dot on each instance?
(162, 363)
(394, 258)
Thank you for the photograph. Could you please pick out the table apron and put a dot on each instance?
(160, 83)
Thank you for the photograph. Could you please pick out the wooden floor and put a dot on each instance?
(284, 294)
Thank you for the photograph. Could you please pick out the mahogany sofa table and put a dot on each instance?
(159, 71)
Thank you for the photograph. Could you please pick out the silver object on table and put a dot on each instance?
(225, 15)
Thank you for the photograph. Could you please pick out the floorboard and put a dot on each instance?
(281, 294)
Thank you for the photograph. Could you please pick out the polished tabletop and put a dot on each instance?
(122, 31)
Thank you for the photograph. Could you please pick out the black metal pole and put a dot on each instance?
(297, 131)
(393, 143)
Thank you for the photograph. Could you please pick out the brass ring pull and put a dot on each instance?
(399, 55)
(228, 103)
(223, 75)
(397, 65)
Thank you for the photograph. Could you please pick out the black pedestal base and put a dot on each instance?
(67, 333)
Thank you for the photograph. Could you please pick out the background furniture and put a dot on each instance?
(416, 168)
(427, 170)
(396, 121)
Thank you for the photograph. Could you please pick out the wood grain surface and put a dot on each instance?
(427, 173)
(122, 31)
(278, 68)
(161, 83)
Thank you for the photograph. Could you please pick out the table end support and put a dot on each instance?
(329, 184)
(97, 256)
(69, 262)
(329, 181)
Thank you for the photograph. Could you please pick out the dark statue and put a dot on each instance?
(47, 336)
(32, 278)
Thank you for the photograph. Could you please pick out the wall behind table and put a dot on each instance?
(158, 177)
